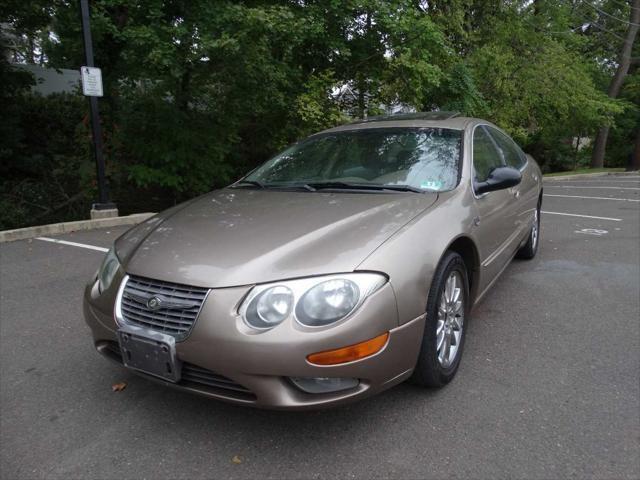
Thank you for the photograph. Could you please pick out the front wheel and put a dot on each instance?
(444, 331)
(529, 249)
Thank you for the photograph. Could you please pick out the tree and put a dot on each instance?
(635, 162)
(199, 92)
(624, 61)
(26, 28)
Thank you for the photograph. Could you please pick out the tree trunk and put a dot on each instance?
(597, 156)
(597, 159)
(537, 7)
(361, 100)
(635, 156)
(31, 58)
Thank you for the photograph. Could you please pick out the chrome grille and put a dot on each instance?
(175, 309)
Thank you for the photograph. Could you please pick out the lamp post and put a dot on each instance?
(92, 87)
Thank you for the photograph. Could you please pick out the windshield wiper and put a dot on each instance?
(403, 188)
(312, 187)
(270, 186)
(363, 186)
(302, 186)
(253, 183)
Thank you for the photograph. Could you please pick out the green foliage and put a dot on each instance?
(47, 170)
(16, 83)
(459, 92)
(626, 125)
(172, 148)
(313, 109)
(199, 92)
(537, 88)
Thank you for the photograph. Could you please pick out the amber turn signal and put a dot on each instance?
(350, 353)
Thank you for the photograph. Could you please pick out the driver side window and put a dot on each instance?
(485, 155)
(511, 152)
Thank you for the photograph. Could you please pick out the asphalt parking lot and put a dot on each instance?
(548, 386)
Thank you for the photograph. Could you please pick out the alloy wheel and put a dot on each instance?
(535, 229)
(450, 320)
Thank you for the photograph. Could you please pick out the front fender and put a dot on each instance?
(411, 256)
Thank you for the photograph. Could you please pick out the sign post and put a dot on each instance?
(92, 87)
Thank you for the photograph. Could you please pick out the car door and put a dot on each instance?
(494, 210)
(525, 193)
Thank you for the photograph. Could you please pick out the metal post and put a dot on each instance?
(103, 196)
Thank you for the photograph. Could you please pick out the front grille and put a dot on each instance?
(176, 306)
(192, 375)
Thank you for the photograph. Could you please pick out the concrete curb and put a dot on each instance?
(66, 227)
(588, 175)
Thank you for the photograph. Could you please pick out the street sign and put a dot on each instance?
(91, 81)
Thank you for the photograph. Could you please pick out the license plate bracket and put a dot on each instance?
(149, 352)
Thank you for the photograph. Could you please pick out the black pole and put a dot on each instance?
(103, 197)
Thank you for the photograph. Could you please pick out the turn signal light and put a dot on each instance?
(350, 353)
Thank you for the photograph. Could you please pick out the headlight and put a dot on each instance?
(270, 307)
(107, 270)
(328, 302)
(314, 302)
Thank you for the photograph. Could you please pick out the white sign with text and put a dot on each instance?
(91, 81)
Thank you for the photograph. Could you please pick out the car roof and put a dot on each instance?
(435, 115)
(450, 120)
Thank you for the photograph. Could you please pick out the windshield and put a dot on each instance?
(419, 158)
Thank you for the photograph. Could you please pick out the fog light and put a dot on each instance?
(324, 384)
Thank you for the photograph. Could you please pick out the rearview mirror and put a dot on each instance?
(499, 179)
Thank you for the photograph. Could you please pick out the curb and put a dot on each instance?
(588, 175)
(66, 227)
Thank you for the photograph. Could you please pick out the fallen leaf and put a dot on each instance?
(118, 387)
(236, 459)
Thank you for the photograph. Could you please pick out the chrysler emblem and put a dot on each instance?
(157, 301)
(154, 303)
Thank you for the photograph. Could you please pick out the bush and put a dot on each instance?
(46, 165)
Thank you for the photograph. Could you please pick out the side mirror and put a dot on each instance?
(499, 179)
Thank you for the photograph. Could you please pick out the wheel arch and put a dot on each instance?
(466, 248)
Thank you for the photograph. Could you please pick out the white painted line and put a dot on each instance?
(73, 244)
(594, 198)
(574, 186)
(592, 231)
(600, 181)
(583, 216)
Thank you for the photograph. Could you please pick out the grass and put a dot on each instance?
(584, 170)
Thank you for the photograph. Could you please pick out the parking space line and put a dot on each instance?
(577, 186)
(73, 244)
(593, 198)
(597, 181)
(583, 216)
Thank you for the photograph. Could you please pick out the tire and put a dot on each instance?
(432, 368)
(529, 249)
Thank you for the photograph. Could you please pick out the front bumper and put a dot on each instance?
(261, 363)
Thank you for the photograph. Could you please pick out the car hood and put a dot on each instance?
(241, 237)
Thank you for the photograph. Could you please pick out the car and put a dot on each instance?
(344, 265)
